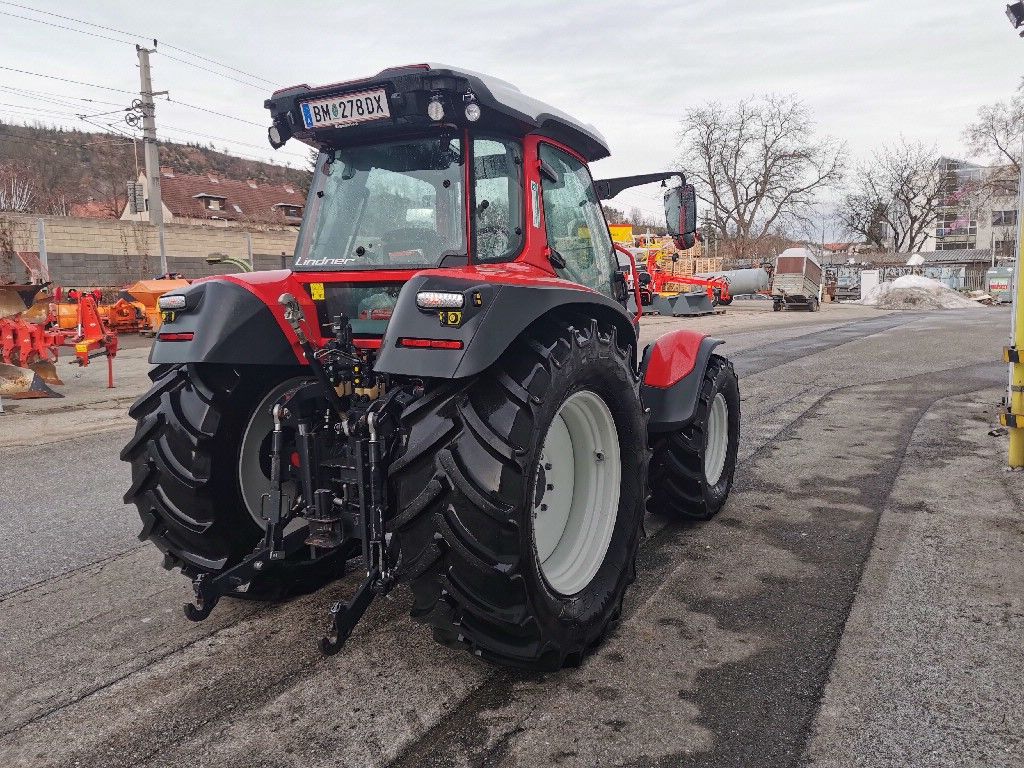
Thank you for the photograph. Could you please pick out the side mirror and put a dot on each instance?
(681, 215)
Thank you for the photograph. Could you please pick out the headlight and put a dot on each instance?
(439, 300)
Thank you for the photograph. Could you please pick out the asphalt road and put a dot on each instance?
(858, 602)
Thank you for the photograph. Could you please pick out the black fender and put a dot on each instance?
(672, 371)
(229, 325)
(494, 315)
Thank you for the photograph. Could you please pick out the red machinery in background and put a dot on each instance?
(668, 294)
(93, 336)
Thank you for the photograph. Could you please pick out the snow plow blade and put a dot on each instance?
(15, 299)
(683, 305)
(47, 371)
(23, 384)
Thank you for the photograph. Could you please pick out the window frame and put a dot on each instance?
(314, 204)
(515, 249)
(610, 256)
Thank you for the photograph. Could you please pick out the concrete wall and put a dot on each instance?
(110, 253)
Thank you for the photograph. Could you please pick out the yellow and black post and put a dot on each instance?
(1013, 418)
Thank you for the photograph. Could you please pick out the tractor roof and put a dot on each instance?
(410, 89)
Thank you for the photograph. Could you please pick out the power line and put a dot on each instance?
(214, 112)
(207, 69)
(122, 90)
(126, 42)
(134, 36)
(39, 140)
(61, 26)
(66, 80)
(166, 127)
(71, 18)
(224, 66)
(47, 95)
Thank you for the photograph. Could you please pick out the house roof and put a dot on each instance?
(91, 209)
(185, 196)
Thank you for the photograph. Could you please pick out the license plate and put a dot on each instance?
(347, 109)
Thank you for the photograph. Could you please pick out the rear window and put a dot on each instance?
(368, 306)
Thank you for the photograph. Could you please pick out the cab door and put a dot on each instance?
(577, 233)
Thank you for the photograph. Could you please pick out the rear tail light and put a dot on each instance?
(181, 336)
(430, 343)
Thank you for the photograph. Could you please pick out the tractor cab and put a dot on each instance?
(426, 167)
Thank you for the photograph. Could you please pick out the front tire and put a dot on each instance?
(483, 458)
(692, 469)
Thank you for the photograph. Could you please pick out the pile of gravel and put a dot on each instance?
(916, 292)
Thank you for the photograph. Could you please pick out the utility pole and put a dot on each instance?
(152, 151)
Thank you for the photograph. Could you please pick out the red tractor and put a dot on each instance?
(445, 391)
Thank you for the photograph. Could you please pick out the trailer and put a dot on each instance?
(796, 282)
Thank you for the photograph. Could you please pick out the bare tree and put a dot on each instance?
(758, 164)
(17, 193)
(997, 133)
(895, 198)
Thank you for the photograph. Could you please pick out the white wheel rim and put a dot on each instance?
(717, 440)
(252, 480)
(576, 498)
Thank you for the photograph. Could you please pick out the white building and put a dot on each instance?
(979, 209)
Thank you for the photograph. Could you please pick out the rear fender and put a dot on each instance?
(229, 323)
(494, 315)
(672, 370)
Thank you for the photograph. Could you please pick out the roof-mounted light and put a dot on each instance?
(435, 109)
(472, 111)
(274, 135)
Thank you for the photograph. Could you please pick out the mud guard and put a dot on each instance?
(228, 323)
(493, 316)
(672, 370)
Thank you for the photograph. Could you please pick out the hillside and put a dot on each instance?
(47, 170)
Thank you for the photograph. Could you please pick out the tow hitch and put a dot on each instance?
(340, 478)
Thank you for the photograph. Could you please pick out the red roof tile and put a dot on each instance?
(185, 195)
(92, 209)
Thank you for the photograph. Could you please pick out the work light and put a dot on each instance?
(435, 109)
(439, 300)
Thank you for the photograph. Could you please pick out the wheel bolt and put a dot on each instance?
(543, 507)
(551, 487)
(599, 455)
(547, 467)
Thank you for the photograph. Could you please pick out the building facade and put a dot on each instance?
(978, 209)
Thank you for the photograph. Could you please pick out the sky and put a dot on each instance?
(870, 70)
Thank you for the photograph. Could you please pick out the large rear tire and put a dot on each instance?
(512, 547)
(692, 469)
(187, 480)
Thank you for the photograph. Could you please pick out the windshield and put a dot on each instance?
(399, 205)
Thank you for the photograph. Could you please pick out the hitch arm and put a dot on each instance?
(209, 589)
(345, 615)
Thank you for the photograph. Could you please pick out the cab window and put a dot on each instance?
(497, 200)
(575, 224)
